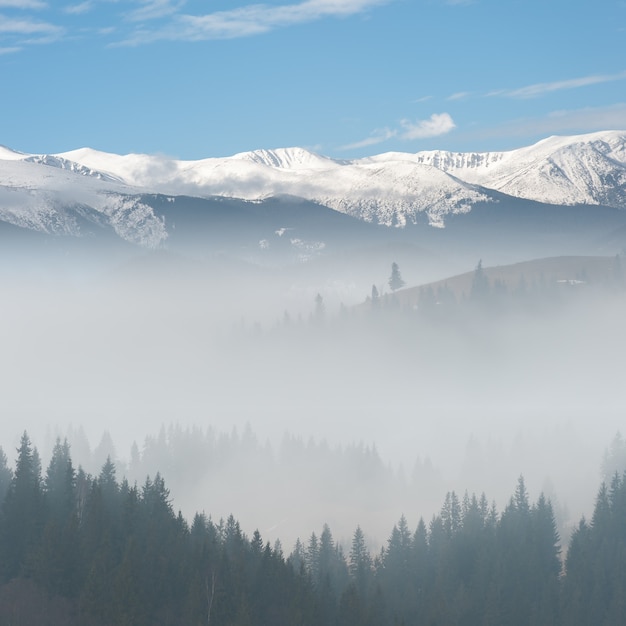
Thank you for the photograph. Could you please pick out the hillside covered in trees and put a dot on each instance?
(96, 550)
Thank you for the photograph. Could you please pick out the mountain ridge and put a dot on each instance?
(578, 169)
(83, 191)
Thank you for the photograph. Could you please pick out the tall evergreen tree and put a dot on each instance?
(375, 297)
(480, 283)
(395, 279)
(614, 460)
(22, 510)
(57, 562)
(297, 558)
(320, 308)
(60, 483)
(360, 562)
(313, 557)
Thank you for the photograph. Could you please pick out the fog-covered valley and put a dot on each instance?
(380, 403)
(341, 409)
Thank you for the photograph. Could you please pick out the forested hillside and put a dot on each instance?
(96, 550)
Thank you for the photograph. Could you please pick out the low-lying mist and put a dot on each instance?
(307, 410)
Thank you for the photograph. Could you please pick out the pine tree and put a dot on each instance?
(520, 499)
(451, 514)
(256, 544)
(546, 551)
(57, 562)
(60, 483)
(360, 566)
(375, 297)
(22, 510)
(297, 559)
(313, 557)
(614, 460)
(480, 283)
(397, 582)
(395, 280)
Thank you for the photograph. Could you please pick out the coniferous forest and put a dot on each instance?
(96, 550)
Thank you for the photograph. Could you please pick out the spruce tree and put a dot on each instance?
(22, 511)
(395, 280)
(360, 562)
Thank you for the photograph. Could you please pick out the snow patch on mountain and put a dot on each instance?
(134, 221)
(40, 195)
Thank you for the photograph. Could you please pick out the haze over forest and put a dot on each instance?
(292, 360)
(272, 320)
(312, 313)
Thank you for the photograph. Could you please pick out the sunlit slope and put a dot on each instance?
(566, 272)
(581, 169)
(393, 188)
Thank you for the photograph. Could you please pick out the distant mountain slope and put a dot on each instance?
(564, 195)
(569, 271)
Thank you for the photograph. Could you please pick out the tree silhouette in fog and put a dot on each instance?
(77, 549)
(395, 280)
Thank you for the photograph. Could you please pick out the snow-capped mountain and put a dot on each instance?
(56, 196)
(585, 169)
(73, 192)
(389, 193)
(392, 188)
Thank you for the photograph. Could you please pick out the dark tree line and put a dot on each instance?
(78, 549)
(469, 565)
(94, 550)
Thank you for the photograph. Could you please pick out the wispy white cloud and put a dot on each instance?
(423, 99)
(584, 120)
(248, 20)
(79, 9)
(9, 50)
(437, 124)
(27, 27)
(50, 37)
(378, 136)
(613, 116)
(539, 89)
(22, 4)
(460, 95)
(155, 9)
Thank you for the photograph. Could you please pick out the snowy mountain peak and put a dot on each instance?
(394, 189)
(72, 166)
(287, 159)
(6, 154)
(580, 169)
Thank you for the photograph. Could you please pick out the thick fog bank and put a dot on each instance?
(486, 382)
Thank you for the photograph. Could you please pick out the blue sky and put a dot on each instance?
(346, 78)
